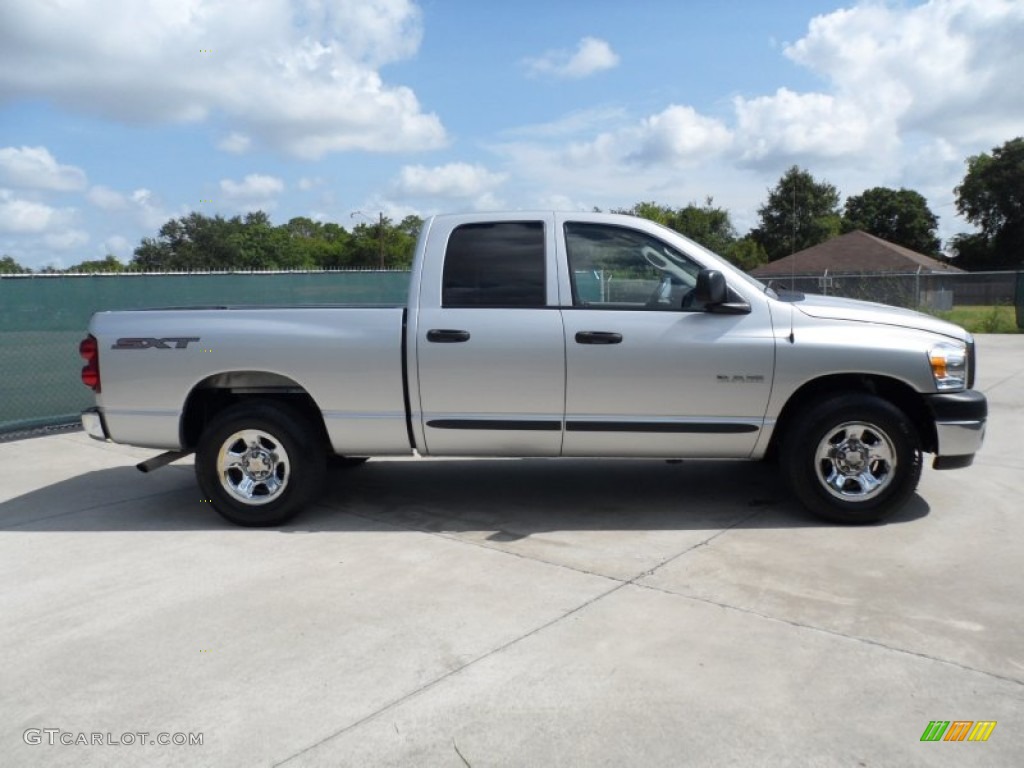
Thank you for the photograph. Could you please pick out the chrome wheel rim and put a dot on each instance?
(253, 466)
(855, 461)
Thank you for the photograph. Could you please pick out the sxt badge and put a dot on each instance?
(171, 342)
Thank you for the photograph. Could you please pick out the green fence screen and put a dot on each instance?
(43, 317)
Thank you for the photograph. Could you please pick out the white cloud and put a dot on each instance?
(945, 70)
(41, 227)
(106, 198)
(235, 143)
(791, 126)
(395, 211)
(556, 202)
(36, 168)
(681, 135)
(942, 67)
(573, 124)
(455, 180)
(141, 205)
(678, 136)
(66, 240)
(297, 75)
(254, 191)
(148, 209)
(592, 55)
(20, 216)
(119, 246)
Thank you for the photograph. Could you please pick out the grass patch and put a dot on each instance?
(990, 319)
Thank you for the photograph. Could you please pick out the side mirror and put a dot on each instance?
(710, 289)
(712, 294)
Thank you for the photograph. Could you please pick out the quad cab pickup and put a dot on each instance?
(544, 335)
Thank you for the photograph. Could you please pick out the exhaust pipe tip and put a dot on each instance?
(162, 460)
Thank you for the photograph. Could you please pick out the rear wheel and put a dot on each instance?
(854, 458)
(258, 464)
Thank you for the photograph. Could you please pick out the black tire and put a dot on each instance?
(260, 463)
(853, 458)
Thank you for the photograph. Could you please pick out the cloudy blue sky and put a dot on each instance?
(115, 116)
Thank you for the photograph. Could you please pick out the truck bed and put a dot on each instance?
(348, 358)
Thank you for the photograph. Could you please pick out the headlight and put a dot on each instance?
(949, 366)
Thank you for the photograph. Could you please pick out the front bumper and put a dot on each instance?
(94, 425)
(960, 419)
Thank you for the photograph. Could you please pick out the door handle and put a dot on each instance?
(598, 337)
(446, 336)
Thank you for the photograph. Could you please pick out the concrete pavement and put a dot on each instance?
(511, 613)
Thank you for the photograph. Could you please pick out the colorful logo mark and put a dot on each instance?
(958, 730)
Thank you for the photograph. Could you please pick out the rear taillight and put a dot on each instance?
(90, 352)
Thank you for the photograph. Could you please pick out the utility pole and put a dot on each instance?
(792, 242)
(792, 273)
(382, 239)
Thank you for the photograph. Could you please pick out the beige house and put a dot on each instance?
(857, 253)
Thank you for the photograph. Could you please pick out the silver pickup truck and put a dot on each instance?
(544, 334)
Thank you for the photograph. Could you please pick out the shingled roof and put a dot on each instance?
(855, 252)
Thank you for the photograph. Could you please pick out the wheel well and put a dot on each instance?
(896, 392)
(215, 393)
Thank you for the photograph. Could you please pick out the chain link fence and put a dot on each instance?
(940, 294)
(936, 291)
(43, 317)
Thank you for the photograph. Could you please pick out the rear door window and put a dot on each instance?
(498, 264)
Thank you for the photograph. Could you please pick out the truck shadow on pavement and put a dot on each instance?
(508, 498)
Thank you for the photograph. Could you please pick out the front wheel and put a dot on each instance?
(854, 458)
(257, 464)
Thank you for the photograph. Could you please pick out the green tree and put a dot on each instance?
(402, 242)
(800, 212)
(333, 248)
(901, 216)
(973, 251)
(192, 243)
(109, 264)
(197, 243)
(707, 224)
(151, 255)
(991, 197)
(254, 243)
(303, 228)
(746, 253)
(395, 242)
(8, 266)
(368, 245)
(301, 244)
